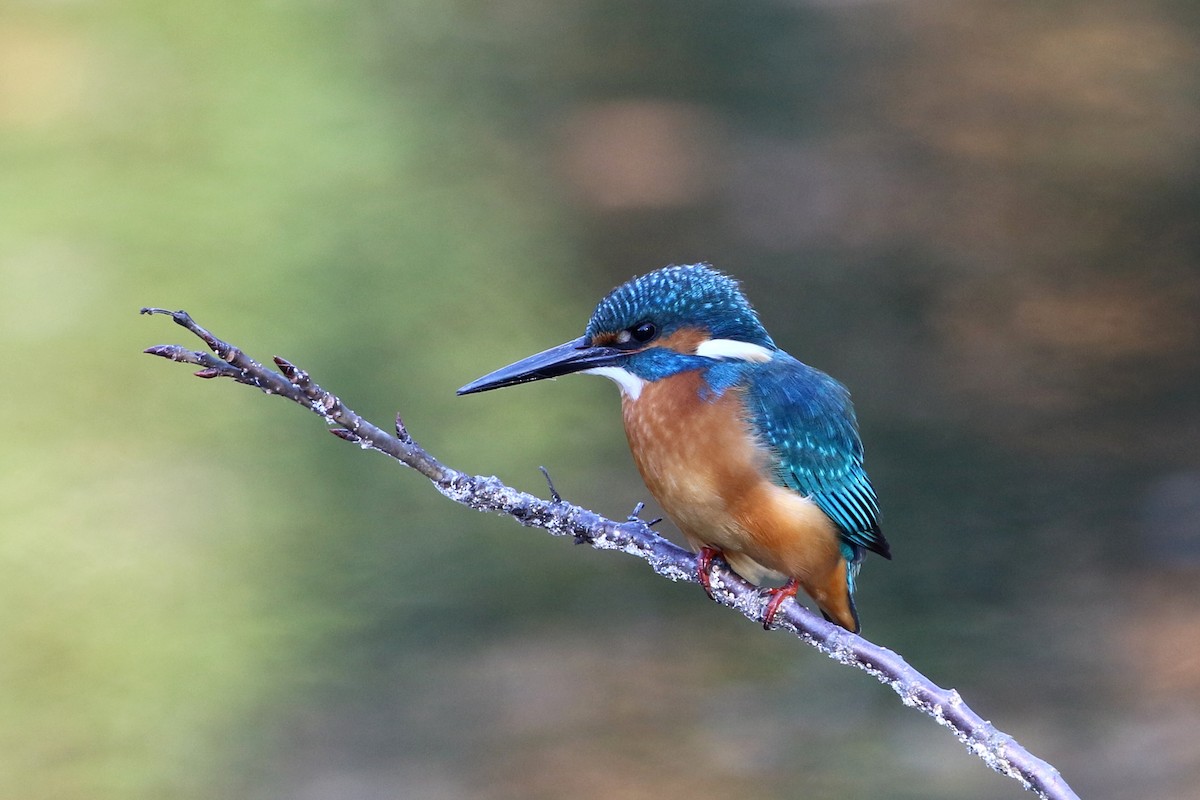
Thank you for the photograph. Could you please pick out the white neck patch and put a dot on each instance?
(733, 349)
(631, 385)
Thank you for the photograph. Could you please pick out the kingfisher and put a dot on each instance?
(755, 456)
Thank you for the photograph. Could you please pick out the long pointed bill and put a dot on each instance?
(573, 356)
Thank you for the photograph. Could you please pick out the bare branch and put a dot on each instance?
(998, 750)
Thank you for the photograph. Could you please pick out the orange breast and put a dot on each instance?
(703, 464)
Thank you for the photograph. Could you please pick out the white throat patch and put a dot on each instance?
(733, 349)
(631, 385)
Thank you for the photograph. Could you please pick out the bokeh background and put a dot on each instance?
(982, 215)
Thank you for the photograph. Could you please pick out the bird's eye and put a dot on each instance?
(643, 332)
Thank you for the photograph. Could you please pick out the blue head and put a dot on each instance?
(671, 299)
(668, 321)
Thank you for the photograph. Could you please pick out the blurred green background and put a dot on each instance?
(981, 216)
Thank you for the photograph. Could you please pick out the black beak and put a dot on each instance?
(573, 356)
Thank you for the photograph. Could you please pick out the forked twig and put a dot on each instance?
(998, 750)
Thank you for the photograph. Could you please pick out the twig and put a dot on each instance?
(998, 750)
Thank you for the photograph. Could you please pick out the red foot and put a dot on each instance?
(704, 561)
(789, 589)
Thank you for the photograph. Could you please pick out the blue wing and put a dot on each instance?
(806, 419)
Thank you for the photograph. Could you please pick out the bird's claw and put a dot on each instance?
(778, 595)
(704, 560)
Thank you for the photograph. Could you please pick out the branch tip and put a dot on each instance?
(180, 317)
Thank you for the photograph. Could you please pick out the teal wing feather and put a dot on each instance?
(807, 421)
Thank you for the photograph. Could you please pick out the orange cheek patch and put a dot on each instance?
(684, 340)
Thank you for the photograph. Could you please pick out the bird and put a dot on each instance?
(755, 456)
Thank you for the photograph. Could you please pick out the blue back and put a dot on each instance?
(807, 421)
